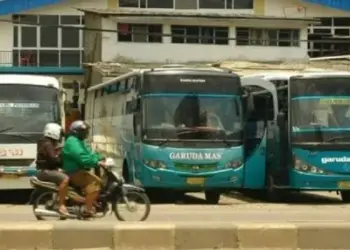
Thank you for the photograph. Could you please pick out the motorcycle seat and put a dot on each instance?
(45, 184)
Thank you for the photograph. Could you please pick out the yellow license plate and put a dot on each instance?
(195, 181)
(344, 184)
(9, 176)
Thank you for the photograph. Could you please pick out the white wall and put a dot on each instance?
(6, 39)
(288, 8)
(168, 52)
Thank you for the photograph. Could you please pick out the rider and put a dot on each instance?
(48, 161)
(78, 160)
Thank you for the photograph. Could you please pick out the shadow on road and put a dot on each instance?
(290, 198)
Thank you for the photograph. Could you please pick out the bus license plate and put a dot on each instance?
(344, 184)
(195, 181)
(9, 176)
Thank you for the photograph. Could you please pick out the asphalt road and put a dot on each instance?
(318, 207)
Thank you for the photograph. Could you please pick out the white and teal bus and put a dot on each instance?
(27, 103)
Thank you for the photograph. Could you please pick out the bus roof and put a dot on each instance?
(310, 75)
(272, 75)
(208, 70)
(46, 81)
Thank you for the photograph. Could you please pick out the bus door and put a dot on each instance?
(264, 112)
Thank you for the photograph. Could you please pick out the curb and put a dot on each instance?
(161, 236)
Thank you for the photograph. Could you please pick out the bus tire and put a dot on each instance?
(345, 196)
(212, 196)
(272, 194)
(126, 172)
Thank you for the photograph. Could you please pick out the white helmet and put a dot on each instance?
(53, 131)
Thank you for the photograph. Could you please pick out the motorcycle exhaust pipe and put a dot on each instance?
(45, 212)
(48, 213)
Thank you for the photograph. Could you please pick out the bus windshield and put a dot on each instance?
(27, 108)
(320, 110)
(192, 116)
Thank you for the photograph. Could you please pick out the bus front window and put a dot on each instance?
(193, 116)
(320, 110)
(27, 108)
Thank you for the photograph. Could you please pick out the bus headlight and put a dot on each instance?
(155, 164)
(307, 168)
(234, 164)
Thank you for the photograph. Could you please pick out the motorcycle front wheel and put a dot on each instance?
(130, 205)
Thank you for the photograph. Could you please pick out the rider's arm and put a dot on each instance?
(97, 155)
(81, 155)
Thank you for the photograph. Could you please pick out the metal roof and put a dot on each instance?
(336, 4)
(8, 7)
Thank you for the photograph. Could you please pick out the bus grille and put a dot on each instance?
(195, 167)
(15, 162)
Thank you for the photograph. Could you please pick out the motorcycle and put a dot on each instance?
(114, 195)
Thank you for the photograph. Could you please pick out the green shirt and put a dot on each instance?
(77, 155)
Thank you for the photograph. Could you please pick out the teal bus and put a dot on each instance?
(172, 128)
(311, 141)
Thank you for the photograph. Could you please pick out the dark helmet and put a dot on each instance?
(80, 129)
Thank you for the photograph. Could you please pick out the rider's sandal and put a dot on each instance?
(63, 214)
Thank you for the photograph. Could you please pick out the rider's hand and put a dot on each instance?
(102, 164)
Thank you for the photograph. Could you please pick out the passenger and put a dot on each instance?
(48, 161)
(78, 160)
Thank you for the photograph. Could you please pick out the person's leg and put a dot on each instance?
(92, 191)
(62, 181)
(90, 184)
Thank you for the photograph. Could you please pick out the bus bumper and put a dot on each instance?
(318, 182)
(12, 178)
(222, 179)
(21, 182)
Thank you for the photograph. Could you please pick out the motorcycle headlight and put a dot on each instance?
(155, 164)
(302, 166)
(234, 164)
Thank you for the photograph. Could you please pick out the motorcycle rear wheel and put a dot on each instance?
(49, 199)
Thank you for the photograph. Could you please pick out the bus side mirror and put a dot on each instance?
(281, 120)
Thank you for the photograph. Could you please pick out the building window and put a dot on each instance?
(152, 4)
(47, 44)
(199, 34)
(226, 4)
(267, 37)
(203, 4)
(142, 33)
(330, 37)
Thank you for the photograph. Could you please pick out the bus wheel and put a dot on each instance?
(272, 194)
(212, 196)
(345, 196)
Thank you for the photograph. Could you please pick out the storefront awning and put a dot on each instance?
(336, 4)
(8, 7)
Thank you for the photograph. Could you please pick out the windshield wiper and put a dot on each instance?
(19, 136)
(6, 129)
(196, 130)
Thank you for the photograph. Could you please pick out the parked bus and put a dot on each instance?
(172, 128)
(27, 103)
(313, 136)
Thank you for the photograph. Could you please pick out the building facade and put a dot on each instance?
(180, 31)
(328, 38)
